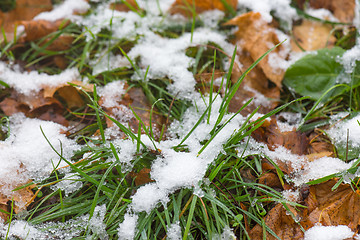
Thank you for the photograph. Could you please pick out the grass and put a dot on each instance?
(229, 197)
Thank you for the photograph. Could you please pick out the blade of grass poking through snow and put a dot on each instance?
(311, 111)
(10, 219)
(190, 217)
(223, 125)
(211, 87)
(102, 181)
(230, 94)
(99, 122)
(141, 123)
(105, 189)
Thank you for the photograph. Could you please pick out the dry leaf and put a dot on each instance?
(269, 133)
(255, 85)
(36, 29)
(330, 208)
(311, 35)
(122, 7)
(342, 10)
(256, 37)
(142, 177)
(184, 6)
(25, 10)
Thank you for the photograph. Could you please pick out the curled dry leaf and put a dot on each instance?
(122, 7)
(255, 85)
(22, 198)
(324, 206)
(256, 37)
(142, 177)
(343, 10)
(25, 10)
(270, 133)
(184, 7)
(311, 35)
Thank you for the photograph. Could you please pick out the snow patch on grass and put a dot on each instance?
(319, 232)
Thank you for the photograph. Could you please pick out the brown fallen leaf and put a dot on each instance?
(184, 6)
(255, 85)
(142, 177)
(311, 35)
(122, 7)
(269, 133)
(342, 10)
(256, 36)
(37, 29)
(324, 206)
(25, 10)
(22, 198)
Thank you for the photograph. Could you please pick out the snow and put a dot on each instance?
(96, 223)
(65, 10)
(69, 184)
(321, 13)
(31, 82)
(348, 60)
(25, 154)
(174, 231)
(111, 93)
(338, 133)
(319, 232)
(127, 228)
(281, 8)
(166, 57)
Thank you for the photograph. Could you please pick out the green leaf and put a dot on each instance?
(314, 74)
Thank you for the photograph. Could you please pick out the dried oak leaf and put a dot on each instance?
(22, 198)
(255, 85)
(184, 7)
(122, 7)
(142, 177)
(269, 133)
(25, 10)
(256, 37)
(343, 10)
(49, 109)
(311, 35)
(324, 206)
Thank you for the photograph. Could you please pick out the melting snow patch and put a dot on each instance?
(340, 232)
(339, 132)
(126, 230)
(27, 155)
(28, 82)
(174, 231)
(65, 10)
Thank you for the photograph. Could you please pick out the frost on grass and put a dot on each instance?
(66, 10)
(68, 230)
(319, 232)
(26, 154)
(69, 184)
(96, 223)
(32, 82)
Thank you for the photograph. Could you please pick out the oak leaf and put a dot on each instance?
(256, 37)
(343, 10)
(25, 10)
(311, 35)
(184, 6)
